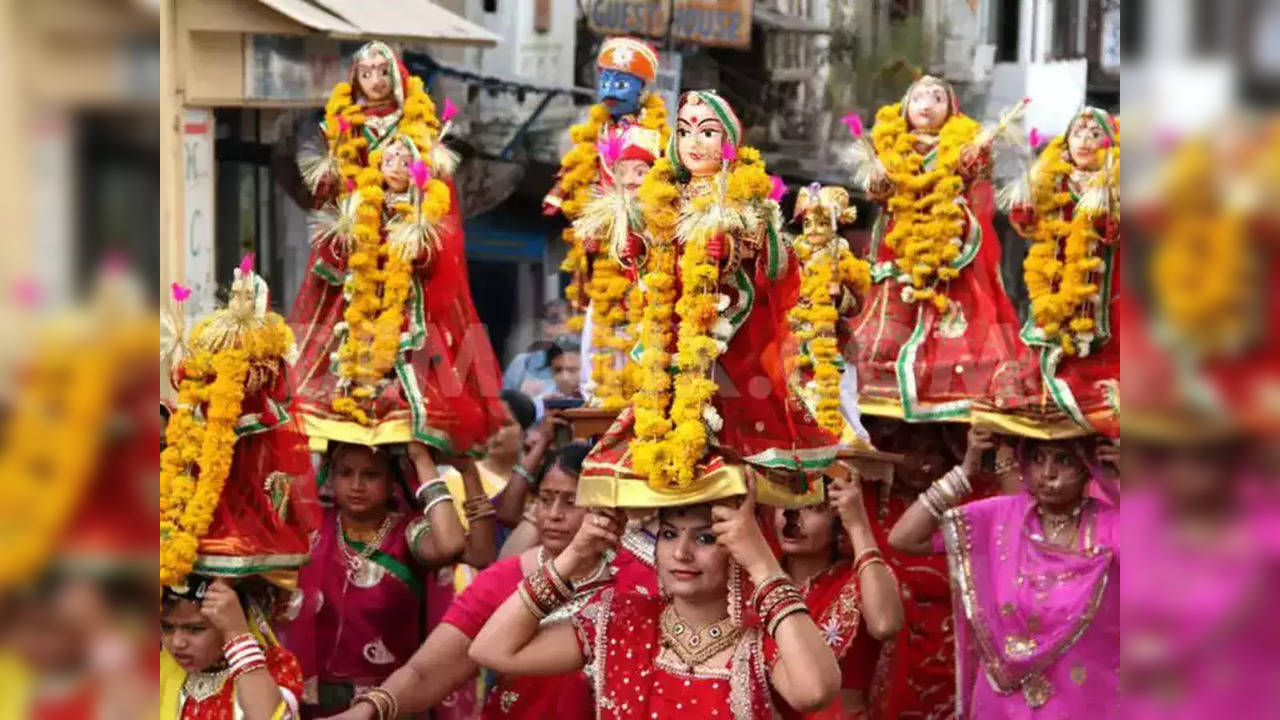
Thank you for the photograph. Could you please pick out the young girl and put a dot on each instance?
(216, 664)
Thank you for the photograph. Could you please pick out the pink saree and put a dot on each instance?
(1037, 626)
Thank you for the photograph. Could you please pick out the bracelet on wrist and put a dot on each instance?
(522, 472)
(385, 706)
(432, 492)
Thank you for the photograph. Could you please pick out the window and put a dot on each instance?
(491, 6)
(542, 16)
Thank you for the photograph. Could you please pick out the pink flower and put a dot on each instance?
(1106, 142)
(351, 185)
(420, 173)
(610, 149)
(343, 123)
(180, 293)
(1034, 138)
(779, 188)
(246, 263)
(728, 151)
(853, 121)
(449, 110)
(1026, 100)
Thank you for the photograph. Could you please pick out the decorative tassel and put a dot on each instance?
(316, 168)
(334, 224)
(410, 235)
(444, 160)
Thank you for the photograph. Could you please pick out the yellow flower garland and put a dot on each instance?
(607, 288)
(814, 317)
(1202, 280)
(579, 170)
(1063, 255)
(379, 277)
(670, 440)
(927, 220)
(199, 449)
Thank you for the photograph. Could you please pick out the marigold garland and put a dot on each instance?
(579, 171)
(1063, 258)
(200, 436)
(928, 220)
(674, 419)
(813, 320)
(607, 288)
(379, 278)
(1202, 280)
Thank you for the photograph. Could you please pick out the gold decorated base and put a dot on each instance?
(588, 423)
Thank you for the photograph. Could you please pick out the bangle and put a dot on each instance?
(430, 491)
(931, 503)
(385, 705)
(782, 612)
(766, 585)
(436, 501)
(543, 590)
(478, 508)
(871, 561)
(522, 472)
(866, 554)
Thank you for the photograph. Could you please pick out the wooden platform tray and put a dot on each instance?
(589, 423)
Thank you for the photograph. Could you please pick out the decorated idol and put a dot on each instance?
(1069, 214)
(832, 284)
(715, 275)
(392, 349)
(627, 67)
(237, 505)
(612, 222)
(937, 320)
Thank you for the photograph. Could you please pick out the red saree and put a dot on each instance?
(834, 601)
(564, 697)
(915, 677)
(620, 636)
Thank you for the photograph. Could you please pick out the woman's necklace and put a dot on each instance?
(356, 560)
(696, 646)
(1060, 525)
(201, 686)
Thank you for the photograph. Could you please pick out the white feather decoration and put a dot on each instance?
(859, 160)
(411, 235)
(444, 161)
(316, 168)
(334, 223)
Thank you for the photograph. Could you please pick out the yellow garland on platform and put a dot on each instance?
(814, 317)
(379, 277)
(607, 288)
(659, 198)
(671, 439)
(1063, 256)
(928, 222)
(199, 449)
(579, 171)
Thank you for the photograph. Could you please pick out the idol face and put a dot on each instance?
(373, 78)
(629, 174)
(396, 159)
(1084, 141)
(700, 137)
(817, 226)
(928, 106)
(619, 91)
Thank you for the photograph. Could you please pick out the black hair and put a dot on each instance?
(568, 459)
(560, 347)
(522, 408)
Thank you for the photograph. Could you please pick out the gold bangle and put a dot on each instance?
(869, 563)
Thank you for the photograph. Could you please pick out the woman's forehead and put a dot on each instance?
(373, 61)
(686, 516)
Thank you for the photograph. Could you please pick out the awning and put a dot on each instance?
(775, 20)
(420, 20)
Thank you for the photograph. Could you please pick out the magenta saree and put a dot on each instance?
(1037, 626)
(354, 628)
